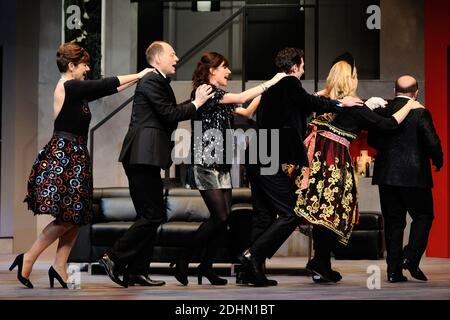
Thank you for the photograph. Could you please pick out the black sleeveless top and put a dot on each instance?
(75, 114)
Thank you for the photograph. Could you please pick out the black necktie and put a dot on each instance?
(168, 79)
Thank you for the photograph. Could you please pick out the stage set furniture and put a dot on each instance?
(114, 213)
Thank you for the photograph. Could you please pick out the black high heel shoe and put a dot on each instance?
(181, 271)
(209, 274)
(19, 263)
(52, 274)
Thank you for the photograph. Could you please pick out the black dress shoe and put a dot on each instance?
(143, 280)
(243, 278)
(394, 277)
(415, 271)
(252, 267)
(111, 270)
(335, 276)
(321, 270)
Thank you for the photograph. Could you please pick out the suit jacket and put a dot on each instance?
(154, 117)
(403, 157)
(286, 106)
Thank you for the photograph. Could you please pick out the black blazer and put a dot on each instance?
(403, 157)
(154, 117)
(286, 106)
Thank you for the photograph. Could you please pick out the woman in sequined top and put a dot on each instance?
(211, 166)
(60, 183)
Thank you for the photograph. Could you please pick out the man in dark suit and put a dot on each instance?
(146, 150)
(283, 108)
(403, 175)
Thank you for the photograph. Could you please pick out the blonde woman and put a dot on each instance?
(327, 189)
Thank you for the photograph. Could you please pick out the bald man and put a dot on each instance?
(403, 175)
(145, 151)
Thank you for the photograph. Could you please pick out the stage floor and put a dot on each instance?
(290, 287)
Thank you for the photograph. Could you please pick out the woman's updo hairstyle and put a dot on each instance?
(70, 52)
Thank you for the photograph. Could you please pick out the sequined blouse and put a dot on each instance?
(209, 132)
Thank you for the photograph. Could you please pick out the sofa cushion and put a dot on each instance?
(189, 208)
(176, 233)
(245, 208)
(241, 195)
(106, 233)
(117, 209)
(183, 192)
(111, 192)
(369, 220)
(363, 244)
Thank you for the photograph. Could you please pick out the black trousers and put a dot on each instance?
(395, 202)
(325, 241)
(135, 248)
(274, 220)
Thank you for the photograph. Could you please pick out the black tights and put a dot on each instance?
(218, 202)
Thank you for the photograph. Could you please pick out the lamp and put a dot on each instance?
(206, 6)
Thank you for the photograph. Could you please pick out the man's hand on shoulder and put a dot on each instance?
(375, 103)
(146, 71)
(202, 94)
(349, 101)
(416, 105)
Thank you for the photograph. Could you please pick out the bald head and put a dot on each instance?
(155, 48)
(162, 56)
(406, 85)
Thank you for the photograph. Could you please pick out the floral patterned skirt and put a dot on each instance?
(330, 198)
(60, 182)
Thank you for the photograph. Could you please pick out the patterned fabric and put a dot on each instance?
(310, 144)
(210, 179)
(215, 119)
(60, 183)
(331, 197)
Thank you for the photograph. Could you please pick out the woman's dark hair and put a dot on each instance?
(288, 57)
(70, 52)
(208, 60)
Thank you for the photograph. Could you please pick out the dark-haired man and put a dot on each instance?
(284, 108)
(403, 175)
(146, 150)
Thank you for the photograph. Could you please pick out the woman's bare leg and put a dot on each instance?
(65, 245)
(51, 232)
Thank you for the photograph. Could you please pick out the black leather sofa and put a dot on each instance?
(367, 239)
(114, 213)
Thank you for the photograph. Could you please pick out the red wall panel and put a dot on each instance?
(437, 41)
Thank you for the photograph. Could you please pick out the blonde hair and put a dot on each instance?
(340, 81)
